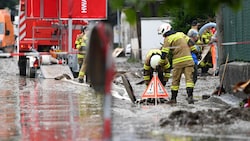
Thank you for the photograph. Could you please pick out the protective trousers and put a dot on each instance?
(82, 72)
(176, 75)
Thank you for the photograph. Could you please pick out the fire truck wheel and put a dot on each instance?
(30, 71)
(22, 65)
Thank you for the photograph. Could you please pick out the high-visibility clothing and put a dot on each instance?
(81, 43)
(163, 71)
(179, 45)
(181, 52)
(206, 37)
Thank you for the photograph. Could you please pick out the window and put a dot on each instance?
(1, 28)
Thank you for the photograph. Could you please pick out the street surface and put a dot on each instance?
(38, 109)
(215, 118)
(55, 110)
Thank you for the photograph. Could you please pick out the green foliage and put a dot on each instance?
(131, 15)
(8, 4)
(182, 11)
(182, 19)
(117, 4)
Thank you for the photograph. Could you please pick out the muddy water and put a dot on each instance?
(46, 109)
(216, 118)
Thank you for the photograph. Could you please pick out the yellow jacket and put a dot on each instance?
(147, 68)
(206, 37)
(180, 49)
(81, 43)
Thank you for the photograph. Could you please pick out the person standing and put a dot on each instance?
(194, 28)
(81, 43)
(182, 61)
(206, 63)
(194, 36)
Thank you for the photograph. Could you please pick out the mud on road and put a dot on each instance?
(215, 118)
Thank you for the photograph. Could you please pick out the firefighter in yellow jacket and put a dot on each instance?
(81, 43)
(151, 64)
(206, 63)
(178, 44)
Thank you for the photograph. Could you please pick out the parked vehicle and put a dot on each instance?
(7, 39)
(39, 31)
(53, 23)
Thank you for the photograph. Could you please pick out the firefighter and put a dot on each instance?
(206, 63)
(80, 44)
(151, 64)
(182, 62)
(194, 36)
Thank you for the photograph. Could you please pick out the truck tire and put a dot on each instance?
(30, 71)
(33, 72)
(22, 65)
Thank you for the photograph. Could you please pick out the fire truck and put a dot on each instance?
(44, 24)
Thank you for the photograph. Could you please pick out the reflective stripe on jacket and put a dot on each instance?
(181, 54)
(147, 68)
(81, 43)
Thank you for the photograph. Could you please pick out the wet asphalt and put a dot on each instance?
(38, 109)
(210, 119)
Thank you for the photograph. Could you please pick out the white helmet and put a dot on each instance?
(164, 28)
(154, 61)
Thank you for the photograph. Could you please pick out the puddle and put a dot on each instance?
(60, 115)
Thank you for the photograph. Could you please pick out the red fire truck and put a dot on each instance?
(53, 23)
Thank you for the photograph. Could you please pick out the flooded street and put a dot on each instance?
(37, 109)
(215, 118)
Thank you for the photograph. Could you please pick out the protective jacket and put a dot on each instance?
(206, 37)
(177, 43)
(81, 45)
(163, 72)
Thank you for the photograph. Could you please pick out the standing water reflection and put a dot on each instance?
(60, 115)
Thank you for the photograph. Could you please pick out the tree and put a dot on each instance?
(182, 12)
(11, 4)
(8, 4)
(164, 7)
(181, 19)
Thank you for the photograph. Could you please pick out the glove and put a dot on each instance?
(165, 79)
(146, 82)
(161, 63)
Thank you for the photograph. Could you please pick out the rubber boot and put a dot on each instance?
(190, 95)
(173, 97)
